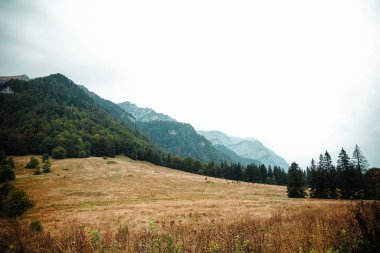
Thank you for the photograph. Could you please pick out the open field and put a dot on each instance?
(121, 205)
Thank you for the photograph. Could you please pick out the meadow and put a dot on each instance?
(122, 205)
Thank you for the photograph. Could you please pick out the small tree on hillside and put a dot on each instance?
(295, 182)
(33, 163)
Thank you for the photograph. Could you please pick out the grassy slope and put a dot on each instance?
(94, 190)
(110, 194)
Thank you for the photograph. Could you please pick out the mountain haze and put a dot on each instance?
(249, 148)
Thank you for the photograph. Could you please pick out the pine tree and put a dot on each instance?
(312, 178)
(346, 175)
(330, 175)
(296, 183)
(320, 184)
(360, 165)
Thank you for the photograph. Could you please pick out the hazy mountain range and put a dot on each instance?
(249, 148)
(63, 108)
(242, 150)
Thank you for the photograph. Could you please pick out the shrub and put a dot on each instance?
(47, 167)
(58, 152)
(35, 226)
(45, 157)
(4, 190)
(37, 171)
(6, 173)
(33, 163)
(16, 203)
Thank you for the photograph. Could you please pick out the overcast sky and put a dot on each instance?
(301, 76)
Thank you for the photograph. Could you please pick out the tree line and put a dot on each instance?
(351, 178)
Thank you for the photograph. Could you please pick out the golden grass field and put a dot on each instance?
(151, 203)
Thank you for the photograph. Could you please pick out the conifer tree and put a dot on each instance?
(330, 175)
(296, 183)
(360, 166)
(345, 175)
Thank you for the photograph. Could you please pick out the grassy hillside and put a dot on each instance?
(122, 205)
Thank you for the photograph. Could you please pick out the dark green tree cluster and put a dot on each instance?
(350, 179)
(6, 168)
(13, 202)
(296, 184)
(182, 139)
(233, 171)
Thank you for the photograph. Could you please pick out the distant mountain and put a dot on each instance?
(144, 114)
(246, 147)
(228, 152)
(111, 107)
(49, 112)
(177, 138)
(182, 139)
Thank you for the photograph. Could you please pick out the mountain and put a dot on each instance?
(144, 114)
(249, 148)
(228, 152)
(182, 139)
(111, 107)
(41, 114)
(174, 137)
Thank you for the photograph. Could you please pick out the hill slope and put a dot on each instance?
(177, 138)
(44, 113)
(182, 139)
(144, 114)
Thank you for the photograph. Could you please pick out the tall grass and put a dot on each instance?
(332, 228)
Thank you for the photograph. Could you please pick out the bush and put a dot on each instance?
(33, 163)
(47, 167)
(35, 226)
(16, 203)
(37, 171)
(45, 157)
(6, 173)
(59, 153)
(4, 190)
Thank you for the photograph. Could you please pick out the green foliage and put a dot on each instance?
(6, 168)
(296, 182)
(59, 152)
(47, 167)
(45, 157)
(16, 203)
(35, 226)
(214, 247)
(37, 171)
(45, 113)
(33, 163)
(181, 139)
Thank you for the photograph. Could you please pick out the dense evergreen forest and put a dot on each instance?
(182, 139)
(351, 178)
(53, 115)
(43, 114)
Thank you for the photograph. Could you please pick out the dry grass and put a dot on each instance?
(127, 206)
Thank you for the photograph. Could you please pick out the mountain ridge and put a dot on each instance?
(249, 148)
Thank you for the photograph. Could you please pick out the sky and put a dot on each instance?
(301, 76)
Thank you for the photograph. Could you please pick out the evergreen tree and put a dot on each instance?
(313, 179)
(296, 184)
(320, 181)
(360, 165)
(330, 175)
(346, 175)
